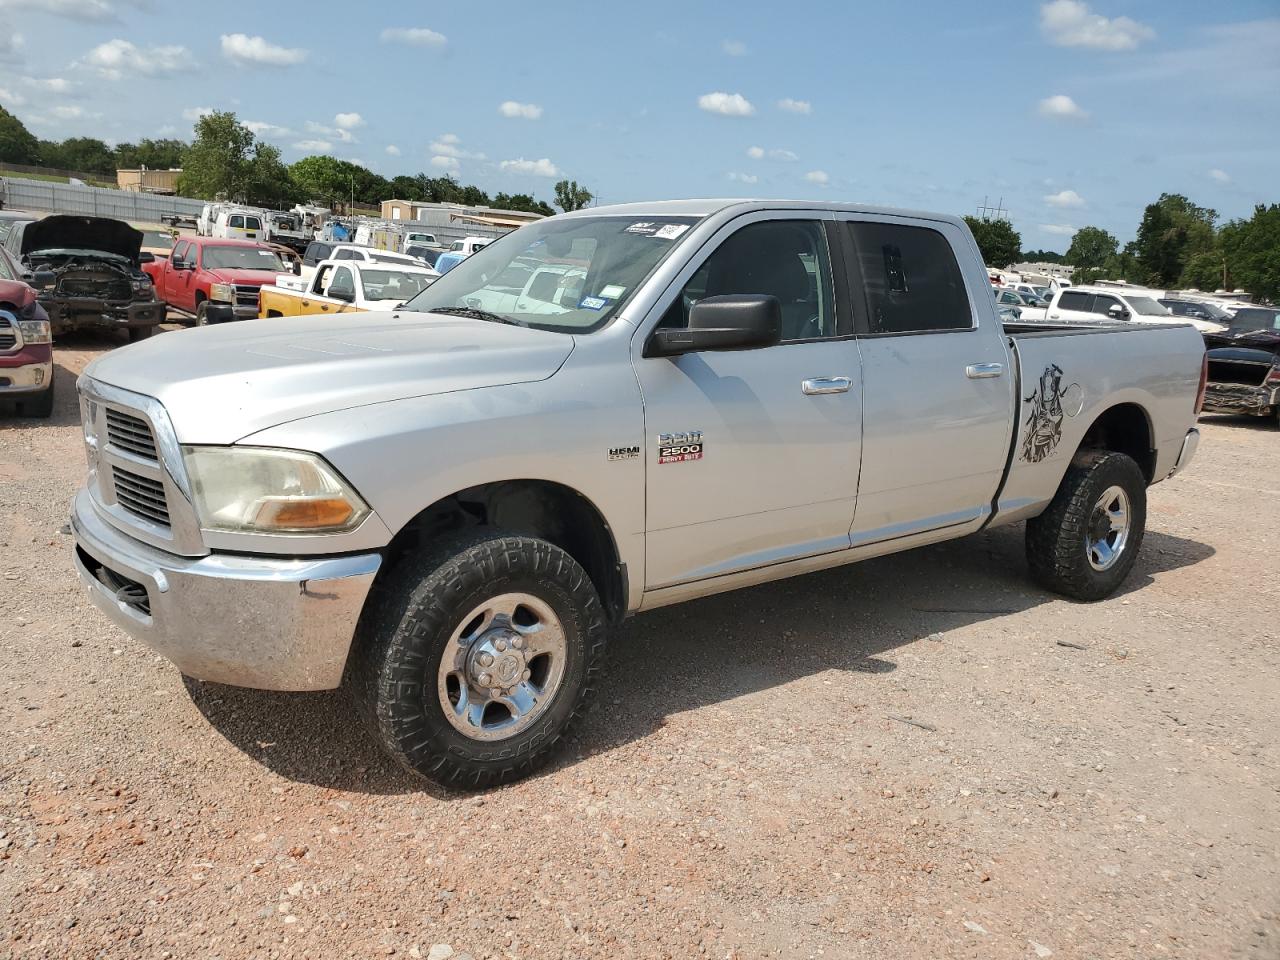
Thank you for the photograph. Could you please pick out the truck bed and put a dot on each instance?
(1020, 330)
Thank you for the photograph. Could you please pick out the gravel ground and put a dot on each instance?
(918, 756)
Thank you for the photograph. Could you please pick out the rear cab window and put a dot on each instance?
(910, 278)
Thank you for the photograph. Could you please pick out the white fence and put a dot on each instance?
(44, 197)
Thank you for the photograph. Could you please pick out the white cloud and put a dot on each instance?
(445, 163)
(448, 145)
(726, 104)
(117, 57)
(11, 98)
(759, 153)
(414, 36)
(525, 111)
(1062, 107)
(755, 153)
(195, 113)
(340, 133)
(1070, 23)
(99, 11)
(734, 48)
(536, 168)
(1058, 229)
(393, 150)
(263, 129)
(348, 121)
(314, 146)
(1220, 175)
(818, 176)
(795, 106)
(67, 113)
(743, 177)
(10, 42)
(58, 85)
(1064, 199)
(244, 49)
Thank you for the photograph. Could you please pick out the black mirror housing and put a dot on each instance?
(146, 257)
(731, 322)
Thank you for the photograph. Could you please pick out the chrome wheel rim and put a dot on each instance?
(502, 667)
(1109, 526)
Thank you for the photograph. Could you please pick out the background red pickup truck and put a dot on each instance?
(215, 280)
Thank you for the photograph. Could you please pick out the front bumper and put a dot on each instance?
(92, 313)
(1241, 398)
(219, 312)
(30, 370)
(249, 621)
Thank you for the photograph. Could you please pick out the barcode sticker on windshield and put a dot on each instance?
(613, 291)
(670, 231)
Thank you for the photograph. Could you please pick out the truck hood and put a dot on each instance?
(17, 294)
(83, 233)
(222, 383)
(249, 277)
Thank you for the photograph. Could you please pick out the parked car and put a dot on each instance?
(287, 229)
(26, 344)
(419, 238)
(346, 286)
(428, 255)
(1209, 313)
(87, 273)
(1244, 364)
(448, 260)
(469, 245)
(1107, 303)
(215, 280)
(451, 506)
(350, 251)
(8, 218)
(239, 224)
(1028, 307)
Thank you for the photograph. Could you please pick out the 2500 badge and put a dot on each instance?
(680, 447)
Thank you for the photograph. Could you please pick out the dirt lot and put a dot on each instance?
(1085, 780)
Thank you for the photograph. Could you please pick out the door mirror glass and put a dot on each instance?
(730, 322)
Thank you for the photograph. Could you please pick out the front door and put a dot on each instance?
(937, 393)
(752, 455)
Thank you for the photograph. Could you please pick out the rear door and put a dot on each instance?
(1072, 305)
(752, 454)
(937, 391)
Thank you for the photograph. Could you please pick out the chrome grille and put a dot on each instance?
(130, 433)
(141, 496)
(247, 295)
(8, 336)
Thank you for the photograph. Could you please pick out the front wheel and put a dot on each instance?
(473, 661)
(1086, 542)
(202, 313)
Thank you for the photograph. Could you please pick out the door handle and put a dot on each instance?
(983, 371)
(821, 385)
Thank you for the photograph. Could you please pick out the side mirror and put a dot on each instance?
(733, 322)
(297, 268)
(346, 296)
(1117, 312)
(146, 257)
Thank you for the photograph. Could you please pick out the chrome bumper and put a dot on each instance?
(1190, 443)
(26, 379)
(248, 621)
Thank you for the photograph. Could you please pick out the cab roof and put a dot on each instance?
(708, 207)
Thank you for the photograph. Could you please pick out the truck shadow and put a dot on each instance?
(845, 621)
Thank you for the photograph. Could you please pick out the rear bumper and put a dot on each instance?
(1190, 444)
(249, 621)
(1241, 398)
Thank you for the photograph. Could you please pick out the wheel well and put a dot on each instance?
(274, 313)
(200, 297)
(537, 508)
(1124, 428)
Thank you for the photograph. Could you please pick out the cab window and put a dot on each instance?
(910, 278)
(180, 252)
(1102, 304)
(786, 259)
(342, 287)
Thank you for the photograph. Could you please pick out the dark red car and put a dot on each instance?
(26, 344)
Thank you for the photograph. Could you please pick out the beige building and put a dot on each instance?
(442, 214)
(148, 181)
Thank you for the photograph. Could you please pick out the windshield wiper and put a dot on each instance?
(475, 314)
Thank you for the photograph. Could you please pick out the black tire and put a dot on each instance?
(41, 405)
(409, 619)
(202, 313)
(1057, 540)
(140, 333)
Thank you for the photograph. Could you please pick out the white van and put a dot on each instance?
(469, 245)
(238, 225)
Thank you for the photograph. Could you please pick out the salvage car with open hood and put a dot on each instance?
(87, 273)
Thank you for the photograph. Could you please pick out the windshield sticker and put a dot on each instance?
(593, 303)
(644, 228)
(680, 447)
(670, 231)
(613, 291)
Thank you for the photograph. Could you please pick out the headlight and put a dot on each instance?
(140, 287)
(265, 490)
(35, 331)
(224, 292)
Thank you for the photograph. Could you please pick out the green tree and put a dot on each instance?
(1252, 251)
(1043, 256)
(163, 154)
(268, 181)
(1089, 251)
(1172, 231)
(83, 154)
(17, 143)
(570, 196)
(1122, 265)
(406, 188)
(522, 201)
(321, 178)
(220, 160)
(999, 242)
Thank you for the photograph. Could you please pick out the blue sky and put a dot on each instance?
(1074, 113)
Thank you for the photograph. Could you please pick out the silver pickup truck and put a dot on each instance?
(447, 507)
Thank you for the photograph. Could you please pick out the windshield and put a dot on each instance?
(242, 258)
(569, 275)
(393, 284)
(1255, 319)
(159, 239)
(1147, 307)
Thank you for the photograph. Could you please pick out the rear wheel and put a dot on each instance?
(1086, 542)
(474, 660)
